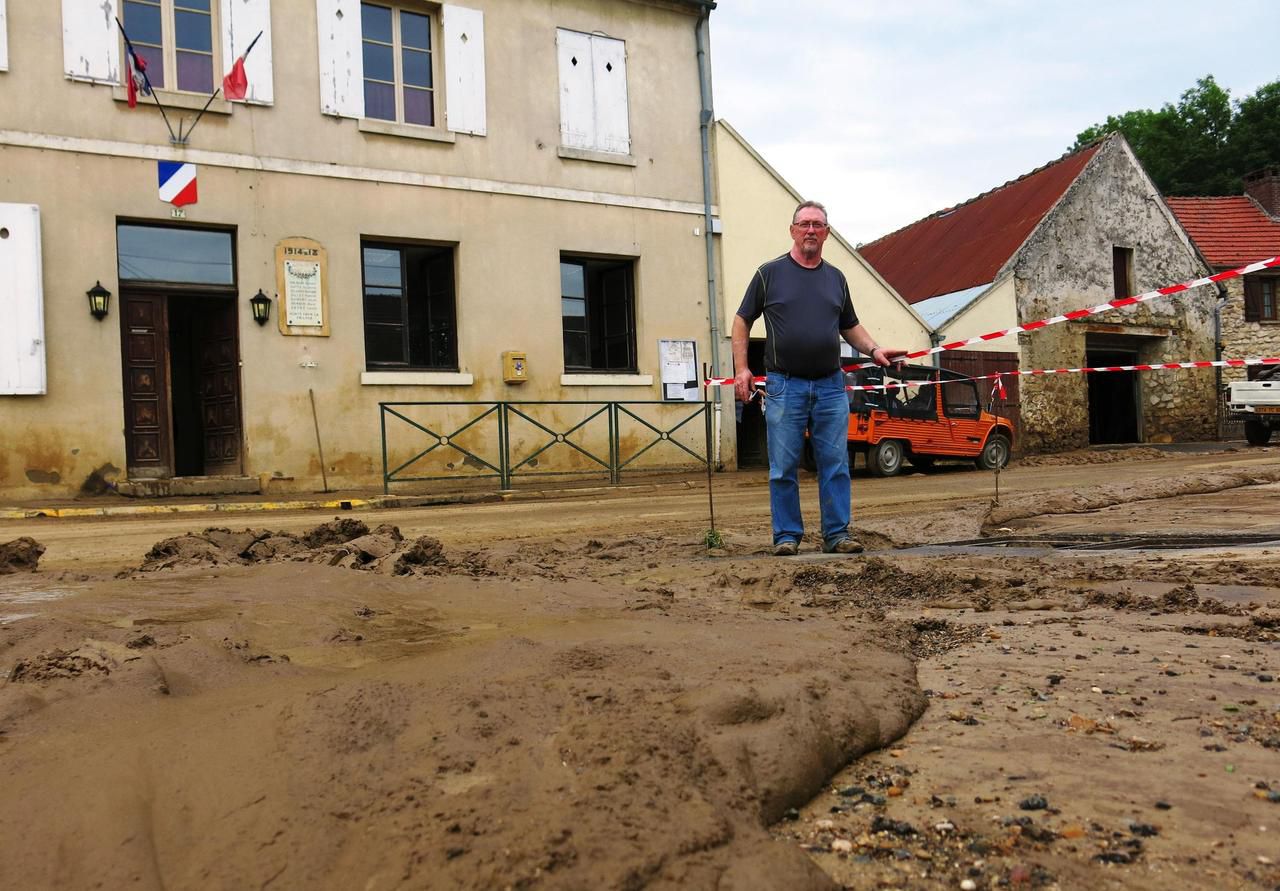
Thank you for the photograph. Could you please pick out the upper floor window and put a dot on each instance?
(409, 319)
(1122, 271)
(1260, 298)
(399, 83)
(175, 37)
(593, 92)
(597, 310)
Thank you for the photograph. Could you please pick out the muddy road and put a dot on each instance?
(571, 692)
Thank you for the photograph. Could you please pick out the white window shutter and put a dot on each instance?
(242, 20)
(577, 111)
(341, 58)
(464, 70)
(4, 40)
(609, 74)
(91, 41)
(21, 302)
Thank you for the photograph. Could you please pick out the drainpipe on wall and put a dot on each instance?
(705, 117)
(1217, 349)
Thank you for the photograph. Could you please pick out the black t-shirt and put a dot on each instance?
(804, 312)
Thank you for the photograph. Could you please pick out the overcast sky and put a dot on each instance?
(887, 110)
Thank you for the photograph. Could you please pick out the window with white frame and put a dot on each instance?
(593, 92)
(176, 40)
(399, 77)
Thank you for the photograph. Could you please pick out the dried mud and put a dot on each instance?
(347, 706)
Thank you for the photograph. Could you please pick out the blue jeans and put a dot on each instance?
(822, 406)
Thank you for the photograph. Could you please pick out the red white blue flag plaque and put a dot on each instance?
(177, 182)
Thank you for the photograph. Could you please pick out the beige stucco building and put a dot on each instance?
(418, 188)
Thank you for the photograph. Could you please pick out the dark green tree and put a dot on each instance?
(1202, 145)
(1255, 132)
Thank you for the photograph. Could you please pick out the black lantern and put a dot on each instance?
(261, 305)
(99, 300)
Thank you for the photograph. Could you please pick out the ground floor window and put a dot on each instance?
(597, 309)
(409, 306)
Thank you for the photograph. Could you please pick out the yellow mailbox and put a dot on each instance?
(515, 368)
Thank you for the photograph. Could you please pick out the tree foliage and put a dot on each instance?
(1205, 143)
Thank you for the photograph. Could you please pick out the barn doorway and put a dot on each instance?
(1114, 415)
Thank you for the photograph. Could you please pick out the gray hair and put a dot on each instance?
(803, 204)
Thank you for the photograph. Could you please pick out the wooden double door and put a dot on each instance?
(181, 356)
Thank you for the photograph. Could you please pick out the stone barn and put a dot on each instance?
(1080, 231)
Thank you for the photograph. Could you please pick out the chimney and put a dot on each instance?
(1263, 186)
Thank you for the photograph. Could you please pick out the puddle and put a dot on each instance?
(1031, 545)
(10, 618)
(1236, 595)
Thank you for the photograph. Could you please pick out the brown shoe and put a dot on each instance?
(845, 546)
(786, 549)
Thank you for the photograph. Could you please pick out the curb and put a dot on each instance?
(210, 507)
(341, 504)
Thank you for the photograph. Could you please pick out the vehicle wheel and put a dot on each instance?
(1257, 433)
(923, 463)
(807, 459)
(995, 454)
(885, 458)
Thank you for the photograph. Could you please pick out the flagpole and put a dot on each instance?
(147, 80)
(214, 94)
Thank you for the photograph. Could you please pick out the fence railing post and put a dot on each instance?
(382, 421)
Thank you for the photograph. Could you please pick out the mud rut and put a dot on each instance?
(349, 706)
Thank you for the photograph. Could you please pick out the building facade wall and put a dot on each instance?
(996, 310)
(1067, 265)
(507, 201)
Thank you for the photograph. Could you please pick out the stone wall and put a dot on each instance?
(1067, 264)
(1241, 339)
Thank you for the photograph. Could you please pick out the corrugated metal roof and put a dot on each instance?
(1229, 231)
(966, 245)
(939, 310)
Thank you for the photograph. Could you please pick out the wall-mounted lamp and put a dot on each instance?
(261, 305)
(99, 300)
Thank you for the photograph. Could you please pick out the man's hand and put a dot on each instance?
(744, 382)
(884, 358)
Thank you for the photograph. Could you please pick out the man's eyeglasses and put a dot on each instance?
(810, 224)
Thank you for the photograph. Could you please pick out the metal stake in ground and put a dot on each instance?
(712, 538)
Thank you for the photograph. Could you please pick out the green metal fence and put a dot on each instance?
(506, 441)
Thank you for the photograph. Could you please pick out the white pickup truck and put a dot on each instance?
(1257, 403)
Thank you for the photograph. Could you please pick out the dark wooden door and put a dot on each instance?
(976, 363)
(219, 383)
(145, 337)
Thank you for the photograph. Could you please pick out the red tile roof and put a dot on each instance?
(965, 246)
(1230, 231)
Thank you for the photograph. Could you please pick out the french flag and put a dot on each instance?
(137, 80)
(177, 182)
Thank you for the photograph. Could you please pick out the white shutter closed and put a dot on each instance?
(609, 74)
(21, 302)
(341, 58)
(242, 20)
(4, 40)
(91, 41)
(577, 103)
(464, 70)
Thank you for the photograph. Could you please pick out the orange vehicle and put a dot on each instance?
(923, 423)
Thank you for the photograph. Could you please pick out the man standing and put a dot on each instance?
(806, 307)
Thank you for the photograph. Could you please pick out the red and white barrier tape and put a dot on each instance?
(1162, 366)
(1091, 311)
